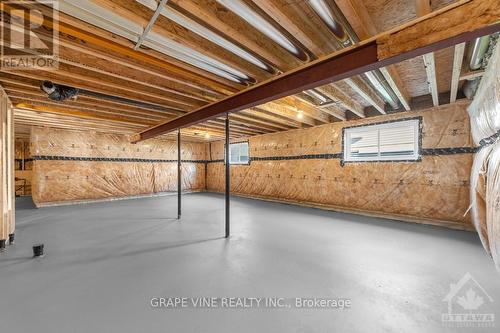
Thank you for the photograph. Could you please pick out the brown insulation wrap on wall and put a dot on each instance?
(81, 166)
(485, 178)
(23, 167)
(304, 166)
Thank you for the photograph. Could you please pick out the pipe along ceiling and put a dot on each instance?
(333, 18)
(103, 18)
(327, 11)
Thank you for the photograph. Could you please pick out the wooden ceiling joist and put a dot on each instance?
(215, 16)
(440, 29)
(357, 15)
(143, 86)
(297, 105)
(365, 91)
(28, 118)
(94, 86)
(423, 7)
(136, 70)
(24, 85)
(394, 80)
(88, 101)
(330, 108)
(137, 13)
(336, 94)
(91, 35)
(102, 63)
(272, 117)
(458, 58)
(291, 113)
(101, 113)
(430, 70)
(260, 123)
(54, 108)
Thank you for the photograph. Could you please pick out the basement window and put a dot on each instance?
(238, 153)
(394, 141)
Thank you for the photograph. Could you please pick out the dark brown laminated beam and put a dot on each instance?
(438, 30)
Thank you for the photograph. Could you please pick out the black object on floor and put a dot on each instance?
(37, 250)
(2, 245)
(11, 239)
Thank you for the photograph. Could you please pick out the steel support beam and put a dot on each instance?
(228, 178)
(179, 175)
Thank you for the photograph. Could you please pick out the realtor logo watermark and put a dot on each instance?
(250, 303)
(29, 35)
(468, 305)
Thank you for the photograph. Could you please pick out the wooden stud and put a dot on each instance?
(430, 69)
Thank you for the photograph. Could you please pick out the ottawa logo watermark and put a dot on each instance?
(29, 35)
(469, 305)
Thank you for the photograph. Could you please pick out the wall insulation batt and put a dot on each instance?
(485, 179)
(304, 166)
(23, 167)
(74, 166)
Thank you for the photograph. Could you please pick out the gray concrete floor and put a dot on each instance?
(105, 261)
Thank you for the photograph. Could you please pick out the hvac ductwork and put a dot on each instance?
(58, 92)
(332, 16)
(479, 49)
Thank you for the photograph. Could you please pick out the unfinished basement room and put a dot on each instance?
(250, 166)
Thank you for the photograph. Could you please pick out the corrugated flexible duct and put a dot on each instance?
(58, 92)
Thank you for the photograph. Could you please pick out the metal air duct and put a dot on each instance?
(332, 16)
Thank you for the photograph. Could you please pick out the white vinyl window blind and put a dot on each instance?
(382, 142)
(238, 153)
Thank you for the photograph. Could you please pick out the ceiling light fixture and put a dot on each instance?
(300, 114)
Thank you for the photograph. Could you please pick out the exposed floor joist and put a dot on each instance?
(330, 108)
(458, 58)
(378, 52)
(148, 85)
(357, 15)
(423, 7)
(430, 70)
(365, 91)
(336, 94)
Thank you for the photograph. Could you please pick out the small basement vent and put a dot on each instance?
(394, 141)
